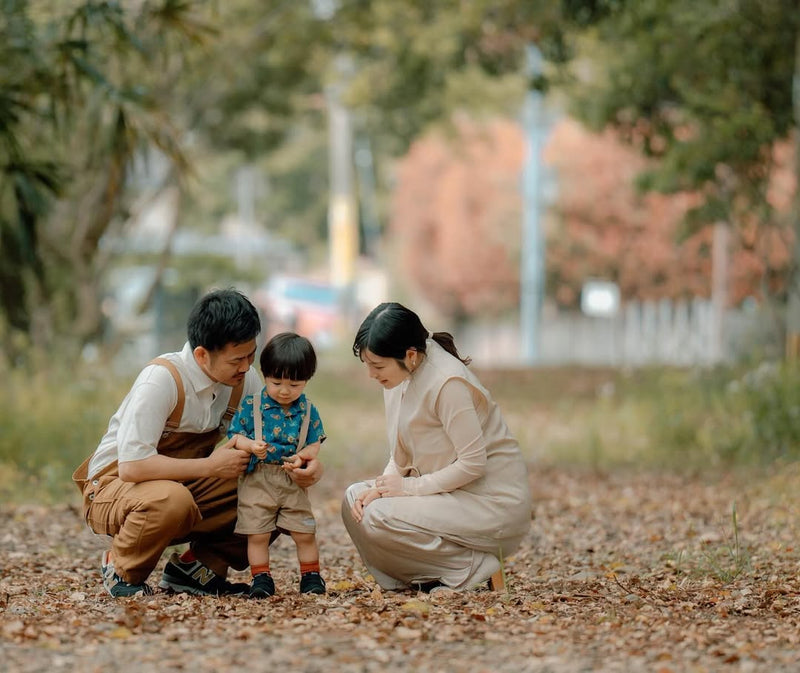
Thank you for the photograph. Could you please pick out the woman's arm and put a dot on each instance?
(460, 421)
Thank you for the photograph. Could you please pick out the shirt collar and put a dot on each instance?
(298, 406)
(198, 379)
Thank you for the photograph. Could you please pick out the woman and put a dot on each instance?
(454, 499)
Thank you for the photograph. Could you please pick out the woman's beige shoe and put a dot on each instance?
(497, 582)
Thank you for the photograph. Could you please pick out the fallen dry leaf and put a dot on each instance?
(620, 572)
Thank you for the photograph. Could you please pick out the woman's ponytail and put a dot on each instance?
(446, 341)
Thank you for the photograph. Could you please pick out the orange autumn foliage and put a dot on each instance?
(601, 227)
(456, 217)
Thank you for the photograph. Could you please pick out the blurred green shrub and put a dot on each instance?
(49, 422)
(678, 419)
(700, 418)
(52, 420)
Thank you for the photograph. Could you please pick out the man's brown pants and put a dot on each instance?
(145, 518)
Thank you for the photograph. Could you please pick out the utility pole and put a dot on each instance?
(720, 248)
(342, 215)
(366, 180)
(532, 263)
(342, 210)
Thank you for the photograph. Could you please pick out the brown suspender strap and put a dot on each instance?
(174, 419)
(233, 403)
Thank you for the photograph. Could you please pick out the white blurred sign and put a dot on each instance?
(600, 298)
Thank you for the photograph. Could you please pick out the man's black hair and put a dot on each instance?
(288, 356)
(220, 318)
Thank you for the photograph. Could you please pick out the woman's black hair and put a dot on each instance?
(288, 356)
(391, 329)
(220, 318)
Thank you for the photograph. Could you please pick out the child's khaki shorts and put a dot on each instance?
(269, 499)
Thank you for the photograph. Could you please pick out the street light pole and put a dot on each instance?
(342, 216)
(532, 262)
(343, 243)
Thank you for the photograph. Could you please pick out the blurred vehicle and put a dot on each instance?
(303, 305)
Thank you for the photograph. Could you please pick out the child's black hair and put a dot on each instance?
(288, 356)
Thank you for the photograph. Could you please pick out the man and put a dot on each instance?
(156, 478)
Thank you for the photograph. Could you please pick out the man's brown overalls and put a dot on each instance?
(145, 518)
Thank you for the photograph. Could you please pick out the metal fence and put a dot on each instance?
(682, 333)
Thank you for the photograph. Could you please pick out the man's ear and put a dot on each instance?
(202, 357)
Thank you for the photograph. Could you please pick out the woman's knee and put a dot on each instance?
(352, 493)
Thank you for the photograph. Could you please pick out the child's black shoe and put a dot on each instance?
(312, 583)
(262, 586)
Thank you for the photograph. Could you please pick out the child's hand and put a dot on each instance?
(291, 463)
(300, 459)
(259, 450)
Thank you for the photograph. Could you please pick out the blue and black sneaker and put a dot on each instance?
(115, 585)
(195, 578)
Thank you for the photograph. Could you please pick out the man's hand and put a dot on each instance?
(308, 475)
(227, 463)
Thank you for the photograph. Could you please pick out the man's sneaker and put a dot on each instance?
(115, 585)
(195, 578)
(263, 586)
(312, 583)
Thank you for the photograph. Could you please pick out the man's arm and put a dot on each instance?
(224, 463)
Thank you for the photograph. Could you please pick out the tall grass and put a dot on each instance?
(678, 419)
(49, 422)
(691, 419)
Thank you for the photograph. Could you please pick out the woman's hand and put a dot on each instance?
(363, 499)
(389, 485)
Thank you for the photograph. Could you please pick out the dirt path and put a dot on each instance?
(619, 573)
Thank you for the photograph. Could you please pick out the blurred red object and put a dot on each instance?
(307, 306)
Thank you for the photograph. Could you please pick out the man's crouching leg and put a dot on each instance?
(142, 519)
(214, 545)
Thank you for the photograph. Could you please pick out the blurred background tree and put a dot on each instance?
(82, 87)
(706, 90)
(456, 218)
(87, 86)
(601, 226)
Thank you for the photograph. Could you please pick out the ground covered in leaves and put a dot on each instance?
(621, 572)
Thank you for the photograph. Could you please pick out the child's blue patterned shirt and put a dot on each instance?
(281, 427)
